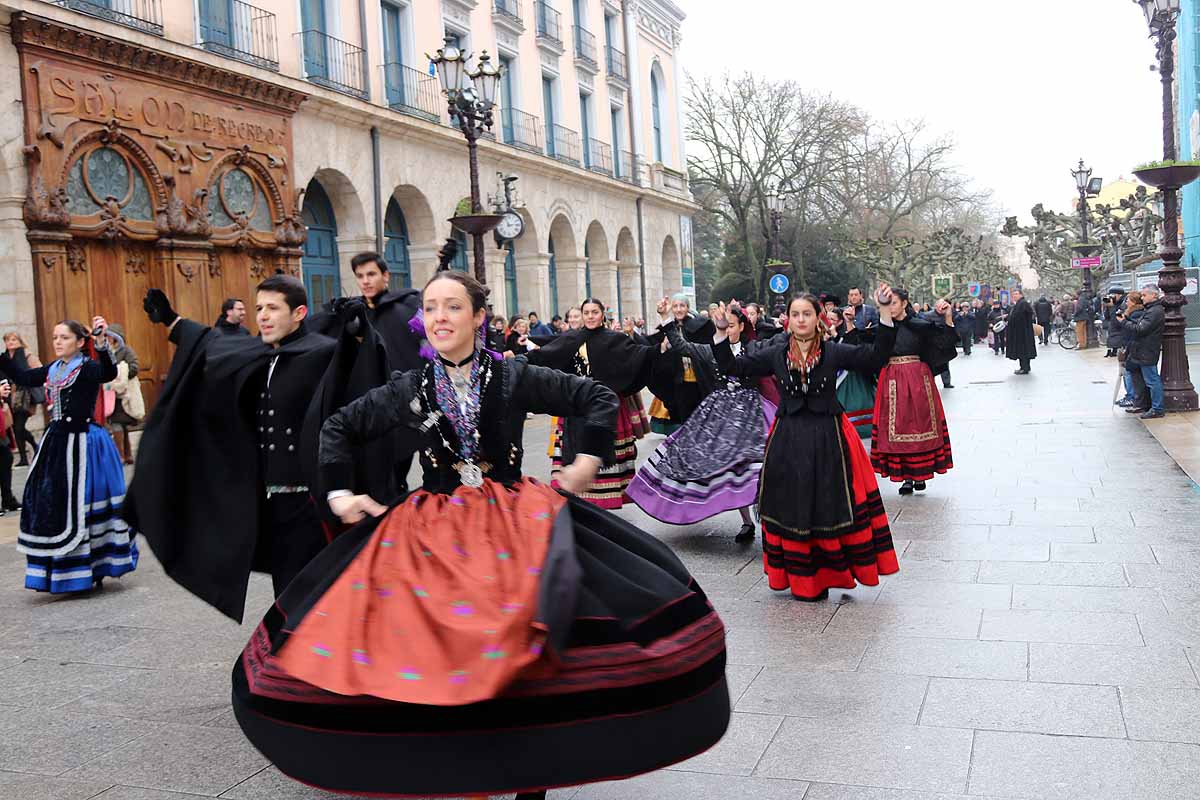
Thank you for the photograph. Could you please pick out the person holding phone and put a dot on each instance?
(71, 532)
(7, 501)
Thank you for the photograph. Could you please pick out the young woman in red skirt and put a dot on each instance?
(910, 442)
(823, 522)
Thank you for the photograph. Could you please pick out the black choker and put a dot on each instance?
(462, 363)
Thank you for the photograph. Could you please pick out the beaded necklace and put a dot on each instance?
(61, 375)
(798, 362)
(460, 402)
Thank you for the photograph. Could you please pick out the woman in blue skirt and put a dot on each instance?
(71, 531)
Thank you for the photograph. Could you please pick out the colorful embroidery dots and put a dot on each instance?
(493, 653)
(458, 550)
(419, 592)
(542, 515)
(386, 543)
(536, 648)
(459, 676)
(322, 651)
(462, 608)
(427, 553)
(457, 501)
(385, 592)
(360, 657)
(511, 608)
(504, 555)
(409, 674)
(534, 570)
(491, 501)
(358, 586)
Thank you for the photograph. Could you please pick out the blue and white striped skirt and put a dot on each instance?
(72, 533)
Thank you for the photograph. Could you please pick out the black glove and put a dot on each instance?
(158, 307)
(348, 308)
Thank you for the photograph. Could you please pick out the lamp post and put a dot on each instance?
(1087, 186)
(1178, 392)
(775, 207)
(471, 96)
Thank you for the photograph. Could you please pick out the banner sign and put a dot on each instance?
(942, 285)
(974, 289)
(1092, 262)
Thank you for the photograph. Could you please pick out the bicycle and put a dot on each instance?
(1065, 336)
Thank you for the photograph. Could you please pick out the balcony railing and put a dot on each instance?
(626, 167)
(239, 30)
(615, 63)
(585, 46)
(413, 92)
(508, 8)
(144, 15)
(564, 145)
(332, 63)
(600, 157)
(549, 22)
(521, 130)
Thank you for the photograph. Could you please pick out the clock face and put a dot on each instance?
(511, 226)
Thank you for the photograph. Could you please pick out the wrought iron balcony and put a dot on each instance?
(510, 9)
(549, 22)
(600, 157)
(332, 63)
(626, 167)
(413, 92)
(143, 15)
(585, 47)
(521, 129)
(615, 63)
(564, 145)
(239, 30)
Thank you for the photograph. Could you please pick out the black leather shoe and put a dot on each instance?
(1152, 414)
(1137, 410)
(11, 504)
(746, 534)
(919, 485)
(906, 487)
(824, 595)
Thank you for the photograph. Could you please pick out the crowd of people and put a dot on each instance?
(514, 634)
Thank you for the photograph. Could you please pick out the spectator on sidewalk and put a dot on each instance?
(1081, 316)
(1108, 314)
(25, 399)
(981, 320)
(865, 316)
(1121, 337)
(1021, 346)
(128, 407)
(966, 327)
(997, 318)
(8, 502)
(233, 313)
(1145, 350)
(1043, 312)
(537, 327)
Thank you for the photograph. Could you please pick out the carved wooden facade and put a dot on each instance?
(147, 169)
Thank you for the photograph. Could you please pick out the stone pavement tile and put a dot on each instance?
(1021, 706)
(1164, 519)
(190, 698)
(84, 644)
(830, 650)
(717, 554)
(1161, 714)
(940, 623)
(939, 532)
(226, 719)
(965, 506)
(738, 677)
(1093, 518)
(1185, 537)
(789, 615)
(1015, 534)
(1127, 553)
(1055, 503)
(862, 595)
(1068, 627)
(1154, 665)
(889, 756)
(740, 749)
(673, 784)
(50, 742)
(829, 791)
(1177, 556)
(138, 793)
(1170, 629)
(732, 586)
(177, 649)
(271, 784)
(922, 570)
(49, 684)
(1051, 573)
(179, 758)
(1078, 768)
(1088, 598)
(979, 551)
(866, 696)
(984, 516)
(945, 594)
(24, 786)
(947, 658)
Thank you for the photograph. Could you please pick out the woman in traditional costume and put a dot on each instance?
(910, 442)
(823, 521)
(856, 388)
(574, 321)
(487, 634)
(620, 363)
(711, 464)
(71, 529)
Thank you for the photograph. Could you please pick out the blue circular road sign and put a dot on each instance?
(779, 284)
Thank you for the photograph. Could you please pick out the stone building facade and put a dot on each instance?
(199, 145)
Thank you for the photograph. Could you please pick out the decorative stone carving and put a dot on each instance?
(258, 268)
(43, 208)
(135, 264)
(49, 262)
(178, 218)
(76, 257)
(186, 270)
(112, 220)
(214, 265)
(291, 230)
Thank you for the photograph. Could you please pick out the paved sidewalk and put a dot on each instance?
(1039, 641)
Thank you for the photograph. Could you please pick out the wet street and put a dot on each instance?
(1041, 640)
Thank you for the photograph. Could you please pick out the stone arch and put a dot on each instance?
(347, 205)
(601, 270)
(629, 276)
(566, 264)
(672, 267)
(530, 242)
(418, 214)
(117, 139)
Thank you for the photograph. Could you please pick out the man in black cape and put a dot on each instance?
(1022, 344)
(225, 466)
(674, 380)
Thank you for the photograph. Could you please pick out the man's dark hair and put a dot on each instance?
(534, 314)
(556, 318)
(291, 288)
(854, 289)
(369, 258)
(229, 303)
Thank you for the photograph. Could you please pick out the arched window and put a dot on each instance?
(234, 194)
(103, 174)
(656, 111)
(395, 248)
(320, 260)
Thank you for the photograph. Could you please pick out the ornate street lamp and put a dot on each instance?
(1087, 186)
(1178, 392)
(471, 96)
(775, 207)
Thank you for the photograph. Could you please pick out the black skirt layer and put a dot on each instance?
(600, 715)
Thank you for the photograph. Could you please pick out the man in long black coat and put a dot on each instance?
(1022, 346)
(1044, 314)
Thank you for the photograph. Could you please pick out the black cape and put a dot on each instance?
(1020, 342)
(197, 487)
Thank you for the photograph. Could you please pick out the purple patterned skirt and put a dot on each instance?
(711, 464)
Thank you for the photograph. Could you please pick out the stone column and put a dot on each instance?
(631, 289)
(422, 260)
(604, 282)
(498, 294)
(533, 285)
(572, 284)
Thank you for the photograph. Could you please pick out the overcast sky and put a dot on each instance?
(1026, 87)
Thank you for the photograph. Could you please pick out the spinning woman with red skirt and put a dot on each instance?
(911, 441)
(823, 521)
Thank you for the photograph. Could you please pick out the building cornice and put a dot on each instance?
(32, 32)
